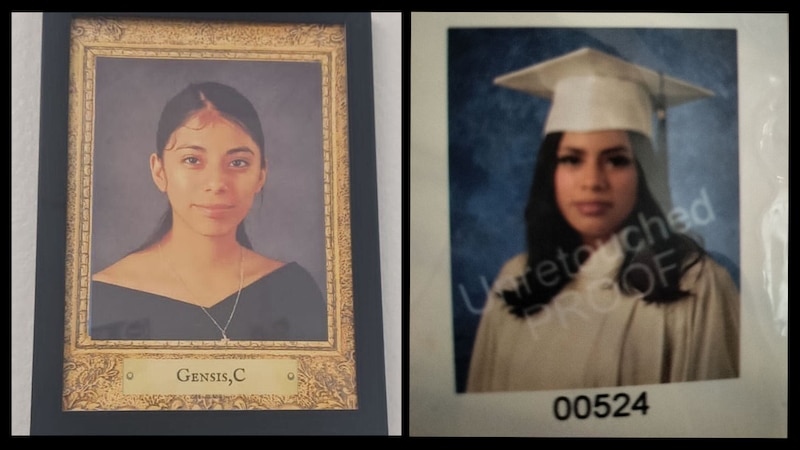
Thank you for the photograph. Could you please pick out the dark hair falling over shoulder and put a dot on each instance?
(548, 235)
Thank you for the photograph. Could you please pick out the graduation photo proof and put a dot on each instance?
(604, 275)
(593, 220)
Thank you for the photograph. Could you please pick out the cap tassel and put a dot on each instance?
(661, 186)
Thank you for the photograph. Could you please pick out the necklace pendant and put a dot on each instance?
(222, 330)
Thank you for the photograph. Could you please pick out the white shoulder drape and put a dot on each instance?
(592, 335)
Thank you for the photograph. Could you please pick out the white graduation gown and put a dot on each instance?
(592, 335)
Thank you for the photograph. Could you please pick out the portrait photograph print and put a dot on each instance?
(279, 201)
(593, 207)
(209, 259)
(596, 202)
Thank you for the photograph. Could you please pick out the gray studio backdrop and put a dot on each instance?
(286, 221)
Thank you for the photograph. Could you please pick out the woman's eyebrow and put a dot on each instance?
(242, 149)
(615, 149)
(191, 147)
(200, 148)
(604, 152)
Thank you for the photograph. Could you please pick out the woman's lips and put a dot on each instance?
(592, 208)
(214, 211)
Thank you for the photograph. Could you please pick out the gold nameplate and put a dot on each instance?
(211, 376)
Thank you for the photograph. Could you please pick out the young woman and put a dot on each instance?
(607, 293)
(198, 277)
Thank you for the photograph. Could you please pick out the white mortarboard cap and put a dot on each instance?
(591, 90)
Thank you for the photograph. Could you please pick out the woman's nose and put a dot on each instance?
(594, 177)
(216, 180)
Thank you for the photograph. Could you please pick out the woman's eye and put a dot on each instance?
(191, 160)
(620, 161)
(239, 163)
(568, 160)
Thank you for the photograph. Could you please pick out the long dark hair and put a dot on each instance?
(232, 105)
(549, 235)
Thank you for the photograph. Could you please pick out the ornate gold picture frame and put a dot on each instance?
(299, 73)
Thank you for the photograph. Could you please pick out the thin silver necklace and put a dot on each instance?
(224, 329)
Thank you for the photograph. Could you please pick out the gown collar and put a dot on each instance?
(604, 261)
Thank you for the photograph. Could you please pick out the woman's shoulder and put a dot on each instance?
(134, 271)
(712, 291)
(706, 270)
(258, 266)
(262, 269)
(286, 283)
(510, 272)
(513, 267)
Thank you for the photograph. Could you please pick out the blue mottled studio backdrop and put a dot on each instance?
(495, 133)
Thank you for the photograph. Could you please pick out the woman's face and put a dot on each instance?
(210, 170)
(595, 182)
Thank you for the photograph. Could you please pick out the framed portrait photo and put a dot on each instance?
(598, 235)
(207, 245)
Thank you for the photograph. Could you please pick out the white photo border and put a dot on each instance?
(753, 405)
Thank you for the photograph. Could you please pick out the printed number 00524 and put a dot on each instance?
(582, 407)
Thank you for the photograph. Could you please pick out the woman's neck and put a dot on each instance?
(201, 253)
(202, 270)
